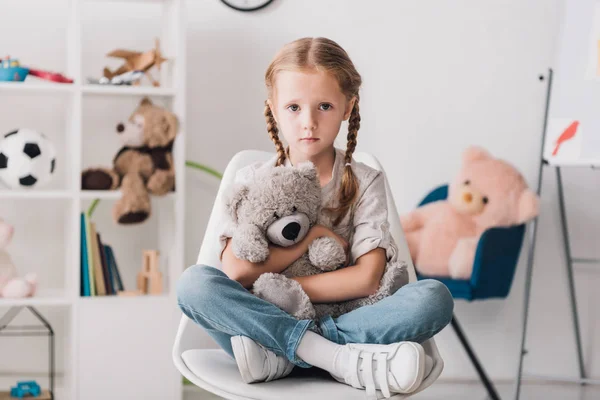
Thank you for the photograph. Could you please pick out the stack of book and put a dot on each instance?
(99, 271)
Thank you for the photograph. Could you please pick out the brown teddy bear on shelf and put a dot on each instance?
(143, 166)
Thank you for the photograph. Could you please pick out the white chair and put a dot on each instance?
(215, 371)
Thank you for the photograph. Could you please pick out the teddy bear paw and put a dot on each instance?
(285, 293)
(131, 210)
(99, 179)
(249, 243)
(326, 253)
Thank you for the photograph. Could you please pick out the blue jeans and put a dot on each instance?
(224, 308)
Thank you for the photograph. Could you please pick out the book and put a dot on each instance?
(98, 273)
(84, 275)
(90, 258)
(115, 269)
(105, 274)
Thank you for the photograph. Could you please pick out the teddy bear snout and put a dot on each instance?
(469, 201)
(288, 230)
(120, 128)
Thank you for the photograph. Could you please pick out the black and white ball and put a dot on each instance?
(27, 159)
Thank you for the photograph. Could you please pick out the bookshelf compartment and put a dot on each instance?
(41, 245)
(29, 355)
(128, 242)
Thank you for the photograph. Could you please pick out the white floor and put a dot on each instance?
(453, 391)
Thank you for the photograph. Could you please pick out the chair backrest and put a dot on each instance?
(209, 251)
(496, 257)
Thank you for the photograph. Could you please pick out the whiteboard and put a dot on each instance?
(573, 129)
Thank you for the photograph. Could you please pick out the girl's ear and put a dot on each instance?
(349, 108)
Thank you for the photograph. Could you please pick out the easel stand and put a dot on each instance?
(569, 265)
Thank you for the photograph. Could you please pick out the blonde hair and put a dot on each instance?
(324, 55)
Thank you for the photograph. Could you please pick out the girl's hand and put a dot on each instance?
(318, 231)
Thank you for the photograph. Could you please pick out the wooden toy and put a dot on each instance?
(137, 61)
(149, 279)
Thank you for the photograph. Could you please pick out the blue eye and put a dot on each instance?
(326, 106)
(294, 107)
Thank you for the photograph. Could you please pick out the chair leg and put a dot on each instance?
(480, 371)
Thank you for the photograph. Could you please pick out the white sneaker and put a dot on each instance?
(256, 363)
(397, 367)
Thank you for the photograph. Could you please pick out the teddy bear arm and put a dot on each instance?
(326, 253)
(249, 243)
(415, 219)
(461, 261)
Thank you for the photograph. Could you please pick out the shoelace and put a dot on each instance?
(369, 377)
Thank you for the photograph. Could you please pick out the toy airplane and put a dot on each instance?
(137, 61)
(127, 78)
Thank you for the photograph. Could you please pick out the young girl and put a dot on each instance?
(312, 87)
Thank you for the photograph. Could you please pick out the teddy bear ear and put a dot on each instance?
(307, 169)
(145, 102)
(233, 199)
(474, 153)
(529, 205)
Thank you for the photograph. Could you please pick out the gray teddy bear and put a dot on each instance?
(279, 207)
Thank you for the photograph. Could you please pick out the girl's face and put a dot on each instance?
(309, 108)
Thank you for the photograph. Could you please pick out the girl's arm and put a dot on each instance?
(246, 272)
(355, 281)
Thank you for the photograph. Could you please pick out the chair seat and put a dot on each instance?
(218, 373)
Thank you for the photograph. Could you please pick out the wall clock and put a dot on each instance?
(247, 5)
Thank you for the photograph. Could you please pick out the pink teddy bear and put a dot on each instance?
(12, 286)
(487, 192)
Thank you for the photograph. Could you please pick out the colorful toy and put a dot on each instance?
(27, 159)
(143, 166)
(487, 192)
(25, 389)
(11, 285)
(50, 76)
(12, 71)
(137, 61)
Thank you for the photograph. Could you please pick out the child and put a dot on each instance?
(312, 87)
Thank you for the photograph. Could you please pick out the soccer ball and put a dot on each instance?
(27, 159)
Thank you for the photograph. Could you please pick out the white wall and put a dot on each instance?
(438, 76)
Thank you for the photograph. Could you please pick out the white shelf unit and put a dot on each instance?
(114, 347)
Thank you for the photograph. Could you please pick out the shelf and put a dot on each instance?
(113, 195)
(116, 299)
(127, 90)
(35, 194)
(37, 87)
(48, 297)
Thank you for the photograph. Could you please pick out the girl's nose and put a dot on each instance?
(310, 123)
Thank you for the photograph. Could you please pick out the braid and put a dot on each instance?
(274, 133)
(349, 189)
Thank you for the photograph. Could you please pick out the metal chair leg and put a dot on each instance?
(480, 371)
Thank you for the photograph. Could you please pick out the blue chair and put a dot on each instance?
(494, 268)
